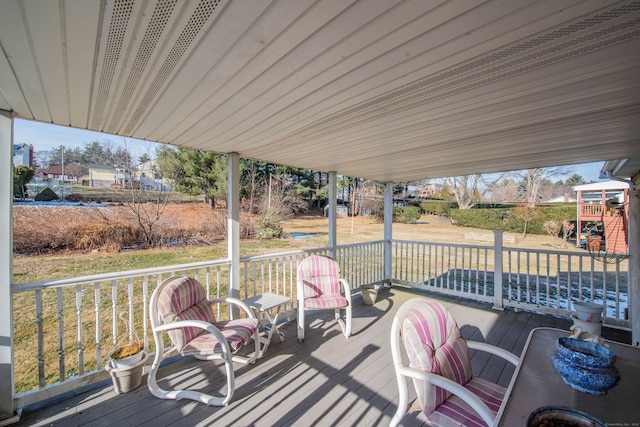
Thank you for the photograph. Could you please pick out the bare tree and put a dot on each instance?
(532, 179)
(147, 205)
(500, 192)
(470, 189)
(278, 203)
(527, 214)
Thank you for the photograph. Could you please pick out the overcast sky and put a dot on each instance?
(45, 137)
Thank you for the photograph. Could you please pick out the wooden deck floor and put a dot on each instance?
(327, 380)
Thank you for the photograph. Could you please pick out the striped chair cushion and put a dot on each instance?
(181, 299)
(325, 302)
(237, 332)
(455, 412)
(320, 275)
(433, 344)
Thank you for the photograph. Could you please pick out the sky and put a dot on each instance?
(44, 137)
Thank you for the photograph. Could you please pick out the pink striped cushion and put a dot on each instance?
(433, 344)
(237, 333)
(455, 412)
(325, 302)
(320, 275)
(181, 299)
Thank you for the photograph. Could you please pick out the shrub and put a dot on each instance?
(437, 207)
(46, 195)
(510, 219)
(269, 226)
(406, 214)
(491, 219)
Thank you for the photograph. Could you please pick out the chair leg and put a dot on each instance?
(198, 396)
(348, 320)
(300, 322)
(345, 324)
(403, 402)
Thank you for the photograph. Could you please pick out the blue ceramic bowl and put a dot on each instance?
(585, 354)
(588, 380)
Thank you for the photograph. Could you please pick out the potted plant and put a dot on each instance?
(126, 361)
(127, 356)
(369, 293)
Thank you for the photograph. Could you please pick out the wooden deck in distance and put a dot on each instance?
(327, 380)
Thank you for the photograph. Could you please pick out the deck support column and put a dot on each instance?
(333, 208)
(634, 262)
(497, 267)
(388, 230)
(7, 407)
(233, 228)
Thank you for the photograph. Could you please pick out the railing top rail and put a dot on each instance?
(455, 245)
(548, 251)
(69, 281)
(280, 254)
(354, 245)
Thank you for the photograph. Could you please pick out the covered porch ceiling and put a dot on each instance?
(381, 89)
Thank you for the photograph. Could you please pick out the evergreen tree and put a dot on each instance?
(21, 177)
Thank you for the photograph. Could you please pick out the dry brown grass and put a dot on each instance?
(46, 229)
(428, 229)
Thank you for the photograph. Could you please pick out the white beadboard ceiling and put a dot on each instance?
(381, 89)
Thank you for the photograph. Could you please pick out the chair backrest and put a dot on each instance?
(183, 298)
(319, 275)
(433, 343)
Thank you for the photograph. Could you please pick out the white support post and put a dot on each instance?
(497, 275)
(634, 263)
(233, 228)
(7, 407)
(388, 230)
(333, 212)
(497, 267)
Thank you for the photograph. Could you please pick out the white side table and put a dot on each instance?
(268, 308)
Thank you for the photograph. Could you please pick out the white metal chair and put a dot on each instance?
(438, 363)
(319, 287)
(179, 306)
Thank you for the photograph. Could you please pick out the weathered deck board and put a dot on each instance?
(327, 380)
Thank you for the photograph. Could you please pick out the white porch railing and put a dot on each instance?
(550, 281)
(546, 281)
(64, 329)
(459, 270)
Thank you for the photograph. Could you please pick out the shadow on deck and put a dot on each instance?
(327, 380)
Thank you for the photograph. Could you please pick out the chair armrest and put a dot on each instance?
(508, 356)
(235, 301)
(191, 323)
(471, 399)
(347, 289)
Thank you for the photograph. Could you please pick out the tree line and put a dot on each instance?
(198, 172)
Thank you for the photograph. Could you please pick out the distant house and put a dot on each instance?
(562, 199)
(430, 190)
(23, 155)
(54, 174)
(102, 176)
(150, 179)
(341, 210)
